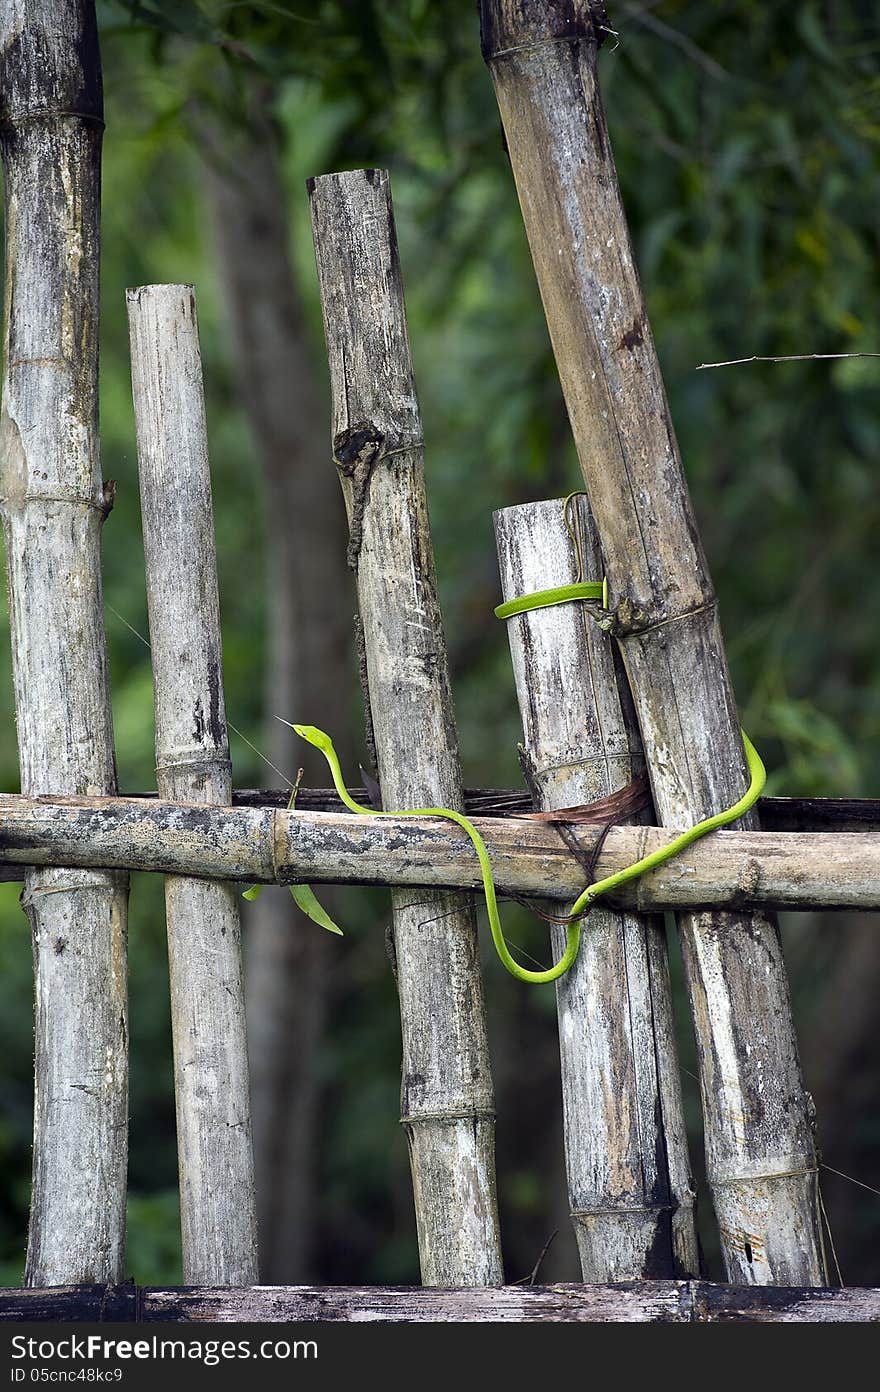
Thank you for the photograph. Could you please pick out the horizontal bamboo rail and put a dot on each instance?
(667, 1302)
(792, 870)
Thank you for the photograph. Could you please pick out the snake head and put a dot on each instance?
(311, 733)
(314, 736)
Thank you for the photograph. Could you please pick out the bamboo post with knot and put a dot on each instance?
(447, 1101)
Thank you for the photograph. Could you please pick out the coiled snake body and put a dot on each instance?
(758, 776)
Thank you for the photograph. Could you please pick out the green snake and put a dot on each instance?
(560, 594)
(758, 776)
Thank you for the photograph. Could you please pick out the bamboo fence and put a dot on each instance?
(72, 838)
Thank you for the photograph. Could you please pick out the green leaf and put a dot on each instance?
(305, 900)
(253, 893)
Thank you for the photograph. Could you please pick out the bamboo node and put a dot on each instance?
(623, 1209)
(71, 884)
(506, 28)
(450, 1114)
(11, 120)
(220, 766)
(731, 1180)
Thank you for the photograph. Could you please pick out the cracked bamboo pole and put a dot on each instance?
(447, 1104)
(761, 1157)
(217, 1212)
(54, 505)
(630, 1188)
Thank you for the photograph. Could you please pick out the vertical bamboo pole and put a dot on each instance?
(288, 972)
(447, 1105)
(54, 505)
(760, 1152)
(217, 1212)
(630, 1189)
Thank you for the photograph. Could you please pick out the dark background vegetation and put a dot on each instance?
(746, 134)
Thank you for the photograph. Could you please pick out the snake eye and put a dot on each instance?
(314, 736)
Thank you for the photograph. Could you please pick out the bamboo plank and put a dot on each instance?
(666, 1302)
(728, 869)
(54, 505)
(217, 1212)
(447, 1100)
(679, 1302)
(630, 1188)
(760, 1149)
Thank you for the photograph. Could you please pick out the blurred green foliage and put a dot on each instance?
(746, 136)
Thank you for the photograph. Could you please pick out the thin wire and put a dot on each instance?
(870, 1188)
(291, 783)
(129, 626)
(831, 1170)
(822, 1166)
(788, 357)
(260, 755)
(830, 1237)
(515, 947)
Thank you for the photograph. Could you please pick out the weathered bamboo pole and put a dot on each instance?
(309, 601)
(217, 1214)
(54, 504)
(729, 869)
(635, 1302)
(760, 1152)
(686, 1302)
(665, 1302)
(447, 1104)
(629, 1182)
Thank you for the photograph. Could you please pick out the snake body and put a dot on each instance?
(758, 776)
(560, 594)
